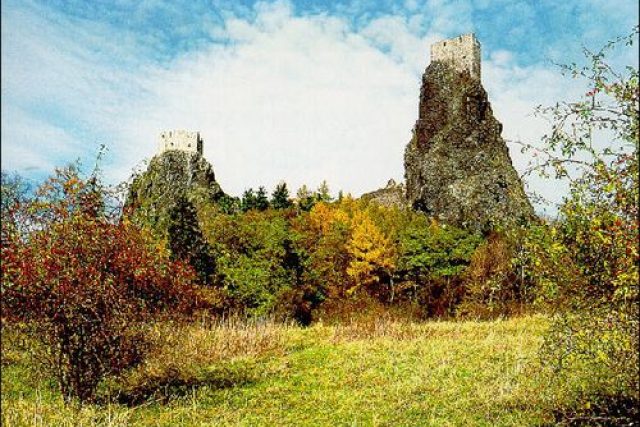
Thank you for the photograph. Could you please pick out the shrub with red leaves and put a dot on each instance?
(83, 281)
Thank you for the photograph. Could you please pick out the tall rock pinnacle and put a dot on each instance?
(457, 166)
(177, 174)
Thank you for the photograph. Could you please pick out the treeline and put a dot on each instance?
(280, 198)
(297, 258)
(300, 258)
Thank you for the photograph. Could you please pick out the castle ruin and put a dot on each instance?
(180, 140)
(462, 53)
(457, 165)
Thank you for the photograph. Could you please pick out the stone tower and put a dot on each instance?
(462, 53)
(180, 140)
(457, 166)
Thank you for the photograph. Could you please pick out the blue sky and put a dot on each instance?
(301, 91)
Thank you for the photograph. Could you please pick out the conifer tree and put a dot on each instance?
(280, 197)
(306, 199)
(261, 200)
(186, 241)
(248, 200)
(323, 194)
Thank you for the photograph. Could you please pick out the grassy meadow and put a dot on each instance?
(364, 373)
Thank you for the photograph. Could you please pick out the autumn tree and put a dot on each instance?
(324, 233)
(593, 142)
(372, 254)
(81, 280)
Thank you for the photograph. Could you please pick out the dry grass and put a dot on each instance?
(394, 328)
(368, 329)
(40, 412)
(212, 341)
(219, 354)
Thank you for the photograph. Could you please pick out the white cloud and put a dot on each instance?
(43, 138)
(300, 99)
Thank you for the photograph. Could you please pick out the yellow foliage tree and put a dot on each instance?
(372, 254)
(323, 216)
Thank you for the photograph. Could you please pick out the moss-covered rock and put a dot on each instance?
(172, 178)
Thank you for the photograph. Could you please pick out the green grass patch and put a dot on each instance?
(360, 374)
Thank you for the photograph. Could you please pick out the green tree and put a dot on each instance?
(323, 194)
(185, 239)
(434, 258)
(248, 200)
(261, 200)
(230, 205)
(280, 197)
(254, 266)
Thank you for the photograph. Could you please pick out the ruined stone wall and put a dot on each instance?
(180, 140)
(391, 195)
(462, 52)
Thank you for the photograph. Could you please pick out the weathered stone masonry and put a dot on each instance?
(461, 53)
(180, 140)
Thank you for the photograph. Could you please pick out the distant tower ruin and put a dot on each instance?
(462, 53)
(180, 140)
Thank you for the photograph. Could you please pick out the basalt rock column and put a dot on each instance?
(177, 174)
(457, 166)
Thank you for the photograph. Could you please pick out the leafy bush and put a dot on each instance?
(253, 257)
(511, 273)
(594, 142)
(82, 281)
(433, 259)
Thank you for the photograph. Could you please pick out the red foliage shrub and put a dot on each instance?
(82, 281)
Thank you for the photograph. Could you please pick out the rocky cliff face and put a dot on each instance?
(391, 195)
(172, 179)
(457, 166)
